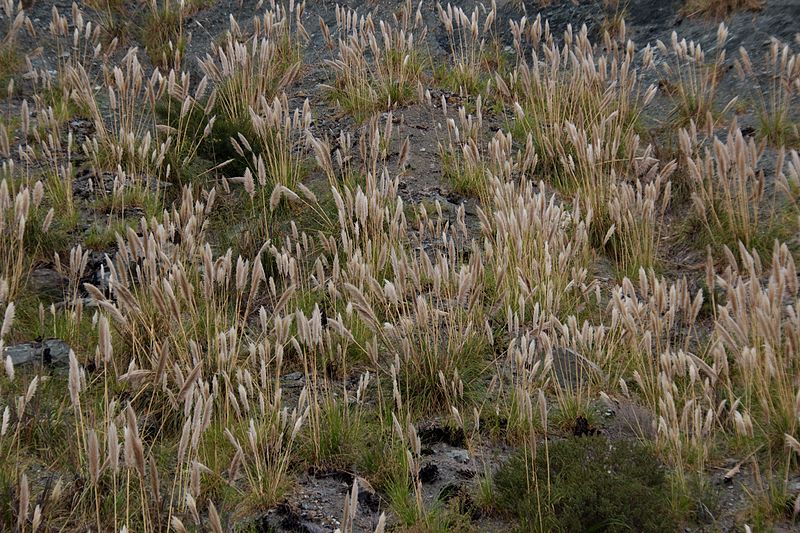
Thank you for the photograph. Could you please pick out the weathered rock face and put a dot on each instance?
(48, 281)
(51, 352)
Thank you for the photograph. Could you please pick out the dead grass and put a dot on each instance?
(718, 9)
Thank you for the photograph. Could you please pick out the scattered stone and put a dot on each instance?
(465, 473)
(367, 497)
(448, 492)
(634, 420)
(434, 433)
(429, 473)
(294, 379)
(52, 352)
(460, 456)
(291, 520)
(311, 527)
(582, 428)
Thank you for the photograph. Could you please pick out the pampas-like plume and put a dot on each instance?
(112, 443)
(8, 319)
(24, 502)
(9, 364)
(6, 420)
(93, 450)
(74, 384)
(213, 518)
(104, 339)
(134, 450)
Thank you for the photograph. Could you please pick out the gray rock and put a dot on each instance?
(53, 352)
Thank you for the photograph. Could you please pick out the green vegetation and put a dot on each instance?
(586, 484)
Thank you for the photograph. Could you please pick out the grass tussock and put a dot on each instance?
(776, 94)
(15, 22)
(728, 189)
(474, 48)
(581, 110)
(363, 86)
(163, 33)
(692, 79)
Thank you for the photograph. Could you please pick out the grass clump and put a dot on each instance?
(216, 347)
(587, 484)
(770, 501)
(691, 80)
(247, 72)
(102, 236)
(728, 190)
(10, 58)
(537, 249)
(583, 120)
(20, 208)
(363, 87)
(638, 216)
(434, 378)
(776, 94)
(469, 164)
(474, 47)
(338, 434)
(10, 63)
(162, 34)
(250, 75)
